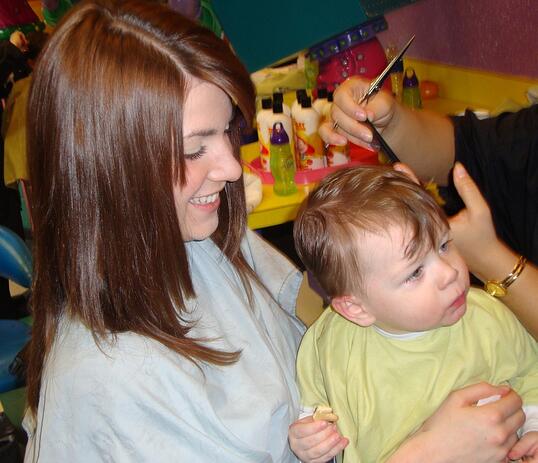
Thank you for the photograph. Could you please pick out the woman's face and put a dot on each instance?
(209, 160)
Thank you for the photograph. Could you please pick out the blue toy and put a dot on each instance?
(15, 265)
(15, 258)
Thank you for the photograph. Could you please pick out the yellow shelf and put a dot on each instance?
(478, 89)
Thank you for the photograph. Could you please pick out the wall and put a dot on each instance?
(492, 35)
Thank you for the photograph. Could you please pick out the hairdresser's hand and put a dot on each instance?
(405, 169)
(315, 441)
(349, 115)
(463, 432)
(472, 228)
(526, 448)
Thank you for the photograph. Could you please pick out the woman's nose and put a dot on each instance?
(225, 166)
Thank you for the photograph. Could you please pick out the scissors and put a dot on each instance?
(379, 142)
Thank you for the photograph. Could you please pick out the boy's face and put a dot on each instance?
(418, 294)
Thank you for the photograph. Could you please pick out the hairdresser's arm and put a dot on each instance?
(487, 256)
(420, 138)
(460, 431)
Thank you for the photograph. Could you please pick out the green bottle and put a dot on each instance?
(282, 161)
(411, 92)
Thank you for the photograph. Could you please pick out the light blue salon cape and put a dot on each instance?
(137, 401)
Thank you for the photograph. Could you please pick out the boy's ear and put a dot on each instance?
(353, 310)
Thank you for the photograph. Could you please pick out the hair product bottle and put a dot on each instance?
(309, 145)
(321, 101)
(411, 92)
(279, 115)
(299, 95)
(396, 74)
(278, 96)
(335, 155)
(282, 161)
(263, 123)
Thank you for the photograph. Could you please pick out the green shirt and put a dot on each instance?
(384, 388)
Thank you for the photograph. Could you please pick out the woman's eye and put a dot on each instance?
(196, 155)
(415, 275)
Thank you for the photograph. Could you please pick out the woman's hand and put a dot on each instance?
(349, 114)
(464, 432)
(472, 228)
(315, 441)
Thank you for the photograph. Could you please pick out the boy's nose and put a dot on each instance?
(448, 274)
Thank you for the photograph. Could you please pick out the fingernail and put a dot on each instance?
(459, 170)
(360, 115)
(342, 140)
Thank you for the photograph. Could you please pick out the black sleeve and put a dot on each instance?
(501, 154)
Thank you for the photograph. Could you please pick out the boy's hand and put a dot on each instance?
(526, 448)
(315, 441)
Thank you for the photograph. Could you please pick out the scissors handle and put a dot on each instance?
(383, 145)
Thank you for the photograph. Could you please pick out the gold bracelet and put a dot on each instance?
(500, 288)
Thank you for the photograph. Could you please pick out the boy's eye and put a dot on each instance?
(444, 247)
(196, 155)
(415, 275)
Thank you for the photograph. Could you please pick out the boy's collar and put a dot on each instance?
(400, 336)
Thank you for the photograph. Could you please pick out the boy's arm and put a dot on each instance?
(309, 377)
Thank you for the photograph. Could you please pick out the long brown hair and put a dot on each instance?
(354, 201)
(104, 130)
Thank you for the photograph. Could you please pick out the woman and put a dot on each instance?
(145, 345)
(163, 329)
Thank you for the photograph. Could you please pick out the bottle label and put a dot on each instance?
(337, 155)
(283, 170)
(265, 157)
(309, 148)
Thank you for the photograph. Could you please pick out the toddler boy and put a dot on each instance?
(380, 247)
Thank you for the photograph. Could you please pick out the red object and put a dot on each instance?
(16, 13)
(358, 155)
(428, 89)
(363, 155)
(367, 59)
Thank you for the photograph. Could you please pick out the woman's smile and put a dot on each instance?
(212, 200)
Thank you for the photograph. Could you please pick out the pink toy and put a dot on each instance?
(366, 59)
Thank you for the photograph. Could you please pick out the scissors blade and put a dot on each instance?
(375, 85)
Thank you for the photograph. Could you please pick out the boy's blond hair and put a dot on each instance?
(354, 201)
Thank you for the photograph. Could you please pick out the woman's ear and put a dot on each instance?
(352, 309)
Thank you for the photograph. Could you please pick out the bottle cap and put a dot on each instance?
(279, 135)
(267, 103)
(306, 102)
(300, 93)
(410, 78)
(277, 107)
(278, 96)
(322, 92)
